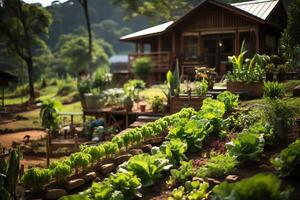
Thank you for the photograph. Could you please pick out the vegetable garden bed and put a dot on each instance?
(217, 145)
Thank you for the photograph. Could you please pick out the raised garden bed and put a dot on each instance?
(254, 90)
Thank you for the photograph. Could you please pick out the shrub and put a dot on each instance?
(157, 104)
(230, 100)
(49, 114)
(288, 161)
(201, 87)
(101, 78)
(246, 147)
(218, 165)
(36, 178)
(142, 67)
(260, 186)
(273, 90)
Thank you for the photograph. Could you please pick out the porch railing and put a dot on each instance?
(161, 60)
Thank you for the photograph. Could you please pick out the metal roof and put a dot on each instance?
(257, 8)
(153, 30)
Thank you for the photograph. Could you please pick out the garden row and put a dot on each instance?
(92, 156)
(187, 134)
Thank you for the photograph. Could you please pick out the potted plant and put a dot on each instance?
(247, 75)
(128, 103)
(84, 85)
(157, 104)
(132, 89)
(207, 73)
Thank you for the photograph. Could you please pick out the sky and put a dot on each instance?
(43, 2)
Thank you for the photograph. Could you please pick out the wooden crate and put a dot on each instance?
(177, 103)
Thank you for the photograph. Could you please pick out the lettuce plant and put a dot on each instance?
(260, 186)
(148, 168)
(36, 178)
(96, 153)
(246, 147)
(60, 171)
(174, 150)
(288, 161)
(230, 100)
(218, 165)
(182, 174)
(79, 160)
(191, 191)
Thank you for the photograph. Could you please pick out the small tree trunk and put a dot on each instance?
(88, 24)
(30, 78)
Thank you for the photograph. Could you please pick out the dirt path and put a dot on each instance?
(7, 139)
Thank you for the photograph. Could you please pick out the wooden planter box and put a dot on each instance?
(177, 103)
(252, 89)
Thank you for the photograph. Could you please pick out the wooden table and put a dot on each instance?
(110, 114)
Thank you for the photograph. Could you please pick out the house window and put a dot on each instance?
(191, 46)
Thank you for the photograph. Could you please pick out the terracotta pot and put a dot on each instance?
(143, 108)
(251, 89)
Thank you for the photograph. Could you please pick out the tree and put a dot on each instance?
(73, 50)
(21, 29)
(156, 10)
(85, 5)
(290, 41)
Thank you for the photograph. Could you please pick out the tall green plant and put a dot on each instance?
(9, 171)
(49, 114)
(142, 67)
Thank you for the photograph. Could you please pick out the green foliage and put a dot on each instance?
(288, 161)
(218, 165)
(60, 172)
(191, 191)
(49, 114)
(247, 70)
(122, 185)
(110, 149)
(9, 170)
(101, 78)
(157, 104)
(279, 115)
(96, 153)
(133, 87)
(79, 160)
(230, 100)
(201, 87)
(148, 168)
(84, 85)
(192, 131)
(246, 147)
(260, 186)
(273, 90)
(142, 67)
(174, 150)
(182, 174)
(36, 178)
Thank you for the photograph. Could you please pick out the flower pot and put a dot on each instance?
(251, 89)
(143, 108)
(94, 101)
(128, 104)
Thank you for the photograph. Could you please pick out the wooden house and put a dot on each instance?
(209, 33)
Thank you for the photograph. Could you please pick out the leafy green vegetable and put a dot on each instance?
(246, 147)
(230, 100)
(148, 168)
(273, 90)
(79, 160)
(60, 172)
(258, 187)
(36, 178)
(288, 161)
(219, 165)
(182, 174)
(191, 191)
(96, 152)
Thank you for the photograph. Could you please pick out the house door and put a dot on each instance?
(216, 50)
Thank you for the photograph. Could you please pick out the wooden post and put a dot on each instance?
(76, 142)
(3, 97)
(257, 40)
(237, 42)
(48, 149)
